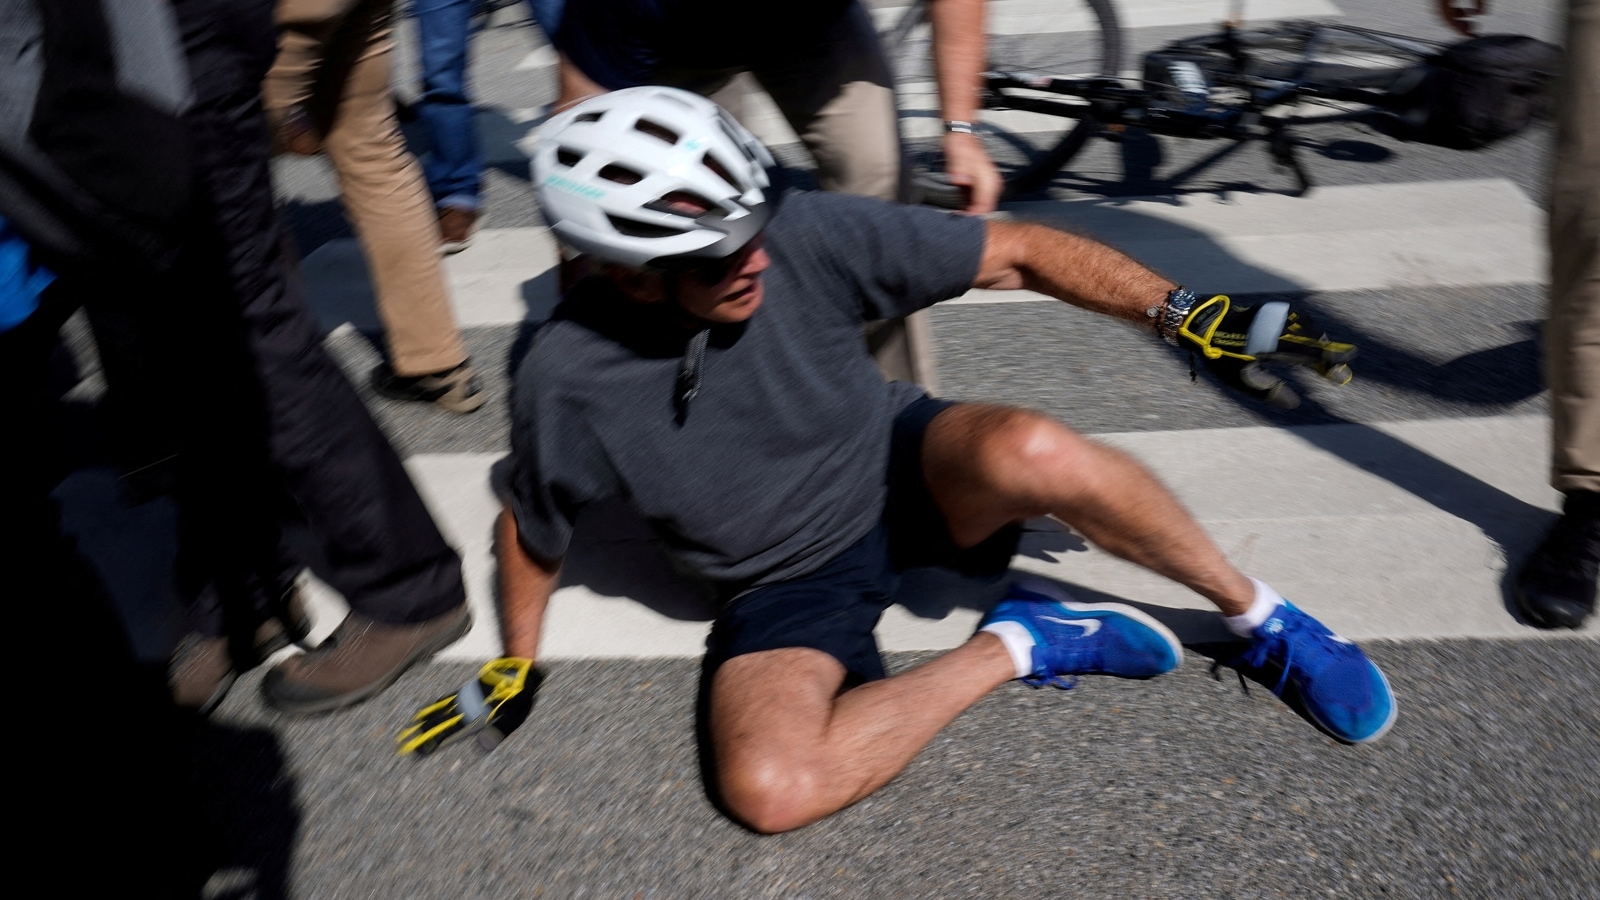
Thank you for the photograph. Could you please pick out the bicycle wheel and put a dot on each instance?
(1055, 37)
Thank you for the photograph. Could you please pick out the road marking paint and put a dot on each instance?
(1344, 542)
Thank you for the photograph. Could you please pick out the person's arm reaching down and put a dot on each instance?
(959, 45)
(1462, 15)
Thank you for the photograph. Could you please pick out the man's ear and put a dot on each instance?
(641, 285)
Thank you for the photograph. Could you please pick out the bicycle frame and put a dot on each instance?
(1112, 103)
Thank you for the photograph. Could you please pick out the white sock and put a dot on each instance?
(1267, 600)
(1018, 642)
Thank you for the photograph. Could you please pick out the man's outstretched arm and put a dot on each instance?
(1069, 267)
(1230, 339)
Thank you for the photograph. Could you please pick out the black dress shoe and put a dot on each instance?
(1556, 587)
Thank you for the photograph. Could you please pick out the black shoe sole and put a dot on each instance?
(1543, 617)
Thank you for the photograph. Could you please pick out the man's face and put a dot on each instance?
(728, 290)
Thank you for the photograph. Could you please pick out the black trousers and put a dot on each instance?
(378, 544)
(220, 388)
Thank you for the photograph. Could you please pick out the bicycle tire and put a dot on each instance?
(1075, 37)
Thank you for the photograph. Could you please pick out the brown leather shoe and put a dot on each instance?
(359, 659)
(202, 668)
(456, 227)
(200, 673)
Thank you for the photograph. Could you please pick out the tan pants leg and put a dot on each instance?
(840, 101)
(334, 58)
(1572, 335)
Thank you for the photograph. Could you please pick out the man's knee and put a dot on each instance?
(1016, 447)
(769, 795)
(768, 715)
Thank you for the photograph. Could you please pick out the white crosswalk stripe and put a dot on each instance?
(1309, 511)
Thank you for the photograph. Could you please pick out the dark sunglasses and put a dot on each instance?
(710, 272)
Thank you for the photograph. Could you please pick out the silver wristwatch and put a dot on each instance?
(958, 126)
(1170, 314)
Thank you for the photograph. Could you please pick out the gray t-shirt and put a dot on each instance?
(779, 463)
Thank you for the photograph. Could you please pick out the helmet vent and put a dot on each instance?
(683, 203)
(656, 130)
(620, 174)
(721, 171)
(567, 157)
(588, 117)
(636, 229)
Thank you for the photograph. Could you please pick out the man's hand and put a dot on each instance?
(968, 167)
(490, 706)
(1234, 341)
(1462, 15)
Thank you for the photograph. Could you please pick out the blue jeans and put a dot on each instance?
(455, 167)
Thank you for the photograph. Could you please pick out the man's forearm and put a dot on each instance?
(958, 54)
(1079, 270)
(525, 588)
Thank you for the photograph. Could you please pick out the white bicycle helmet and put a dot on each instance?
(616, 173)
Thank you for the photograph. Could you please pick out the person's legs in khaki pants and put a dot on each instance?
(839, 98)
(1557, 586)
(333, 62)
(1572, 337)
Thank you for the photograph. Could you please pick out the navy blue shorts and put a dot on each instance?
(835, 608)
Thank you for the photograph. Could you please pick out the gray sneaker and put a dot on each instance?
(202, 668)
(359, 659)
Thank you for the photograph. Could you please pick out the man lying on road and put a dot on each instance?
(711, 371)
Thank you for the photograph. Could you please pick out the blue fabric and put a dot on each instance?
(835, 608)
(626, 43)
(21, 279)
(454, 168)
(547, 14)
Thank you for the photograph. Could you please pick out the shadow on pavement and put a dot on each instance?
(247, 805)
(149, 798)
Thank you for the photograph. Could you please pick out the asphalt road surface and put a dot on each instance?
(1395, 508)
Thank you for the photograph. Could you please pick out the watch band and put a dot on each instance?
(1170, 314)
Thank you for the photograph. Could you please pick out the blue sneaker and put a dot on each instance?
(1321, 673)
(1072, 638)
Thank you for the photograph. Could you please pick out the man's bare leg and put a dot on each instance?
(790, 749)
(987, 466)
